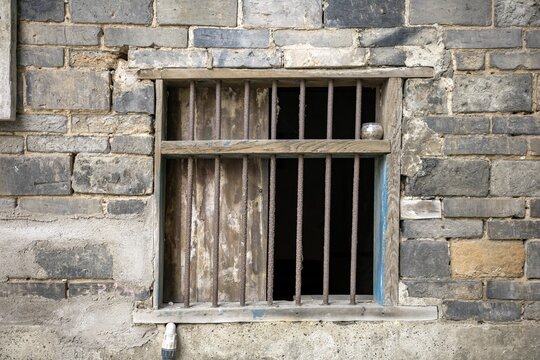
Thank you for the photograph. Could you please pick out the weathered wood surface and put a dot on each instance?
(8, 42)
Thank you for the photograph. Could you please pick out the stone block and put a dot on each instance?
(204, 12)
(481, 310)
(36, 123)
(157, 58)
(230, 38)
(242, 58)
(413, 209)
(126, 207)
(40, 56)
(424, 259)
(532, 311)
(324, 57)
(445, 289)
(364, 13)
(64, 35)
(450, 12)
(447, 228)
(484, 145)
(425, 97)
(517, 13)
(315, 38)
(283, 13)
(485, 258)
(483, 208)
(515, 178)
(451, 178)
(55, 290)
(111, 124)
(175, 37)
(469, 60)
(458, 125)
(111, 12)
(68, 89)
(106, 288)
(516, 60)
(535, 208)
(60, 205)
(126, 144)
(36, 175)
(483, 39)
(11, 144)
(533, 39)
(513, 290)
(387, 57)
(399, 36)
(516, 125)
(519, 229)
(94, 59)
(130, 94)
(480, 93)
(70, 144)
(39, 10)
(7, 204)
(8, 65)
(534, 146)
(110, 174)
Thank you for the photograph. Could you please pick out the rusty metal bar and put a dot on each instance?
(300, 195)
(217, 185)
(243, 247)
(356, 185)
(327, 195)
(272, 201)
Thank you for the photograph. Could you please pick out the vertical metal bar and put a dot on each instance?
(243, 247)
(356, 185)
(217, 185)
(189, 203)
(300, 195)
(327, 195)
(272, 201)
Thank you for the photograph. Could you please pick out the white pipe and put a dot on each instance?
(168, 346)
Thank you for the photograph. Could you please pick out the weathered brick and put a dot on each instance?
(71, 144)
(7, 204)
(36, 123)
(517, 13)
(481, 311)
(426, 259)
(324, 57)
(451, 177)
(533, 39)
(445, 289)
(420, 209)
(364, 13)
(118, 11)
(320, 38)
(175, 37)
(520, 229)
(483, 39)
(400, 36)
(133, 97)
(535, 207)
(111, 124)
(60, 205)
(483, 208)
(243, 58)
(50, 289)
(484, 145)
(516, 125)
(516, 60)
(478, 93)
(206, 12)
(125, 144)
(425, 96)
(515, 178)
(532, 311)
(513, 290)
(126, 207)
(48, 34)
(436, 228)
(458, 125)
(112, 175)
(35, 175)
(68, 89)
(387, 57)
(94, 59)
(156, 58)
(230, 38)
(470, 60)
(450, 12)
(485, 258)
(106, 288)
(534, 146)
(283, 13)
(11, 144)
(39, 10)
(40, 56)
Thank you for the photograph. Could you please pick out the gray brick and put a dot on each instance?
(40, 56)
(483, 39)
(424, 259)
(532, 311)
(94, 59)
(35, 175)
(481, 311)
(55, 290)
(324, 57)
(106, 11)
(515, 178)
(106, 288)
(458, 125)
(7, 204)
(451, 177)
(484, 145)
(316, 38)
(40, 10)
(387, 57)
(111, 124)
(516, 125)
(142, 145)
(246, 58)
(437, 228)
(70, 144)
(205, 12)
(510, 230)
(533, 39)
(444, 289)
(126, 207)
(48, 34)
(11, 144)
(517, 13)
(364, 13)
(450, 12)
(532, 269)
(175, 37)
(535, 208)
(400, 36)
(483, 208)
(113, 175)
(152, 58)
(230, 38)
(68, 89)
(36, 123)
(413, 209)
(478, 93)
(60, 205)
(134, 97)
(283, 13)
(470, 60)
(534, 146)
(513, 290)
(425, 97)
(516, 60)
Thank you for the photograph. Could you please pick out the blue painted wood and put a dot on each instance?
(380, 225)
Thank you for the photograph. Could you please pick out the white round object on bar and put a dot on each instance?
(372, 131)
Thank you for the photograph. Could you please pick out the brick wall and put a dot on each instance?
(76, 180)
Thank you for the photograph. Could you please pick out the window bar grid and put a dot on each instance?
(300, 196)
(243, 255)
(217, 185)
(327, 195)
(272, 200)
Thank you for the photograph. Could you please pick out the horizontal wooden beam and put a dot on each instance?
(280, 148)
